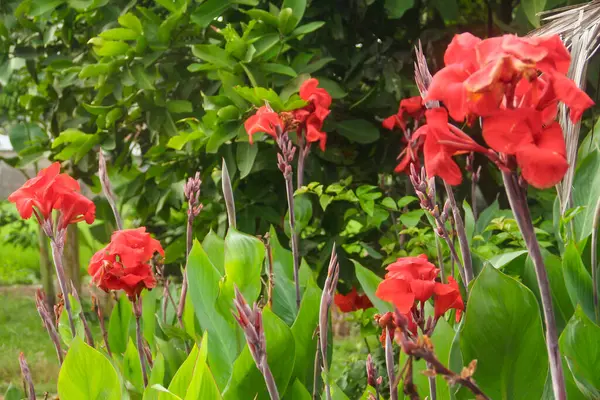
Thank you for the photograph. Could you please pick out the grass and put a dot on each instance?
(21, 330)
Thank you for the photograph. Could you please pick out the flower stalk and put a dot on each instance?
(57, 245)
(100, 314)
(518, 203)
(425, 190)
(42, 307)
(389, 363)
(462, 236)
(228, 195)
(284, 160)
(26, 372)
(271, 278)
(304, 147)
(107, 189)
(250, 319)
(333, 272)
(86, 328)
(191, 190)
(137, 310)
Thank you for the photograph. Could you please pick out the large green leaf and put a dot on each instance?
(244, 255)
(298, 7)
(358, 130)
(157, 376)
(149, 299)
(214, 55)
(580, 345)
(87, 374)
(284, 291)
(586, 191)
(203, 385)
(532, 8)
(246, 381)
(24, 135)
(578, 280)
(245, 155)
(503, 332)
(132, 368)
(561, 301)
(204, 288)
(183, 378)
(214, 246)
(298, 391)
(304, 337)
(369, 283)
(118, 325)
(397, 8)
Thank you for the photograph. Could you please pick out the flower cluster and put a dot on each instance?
(50, 190)
(307, 120)
(124, 263)
(352, 301)
(412, 280)
(514, 86)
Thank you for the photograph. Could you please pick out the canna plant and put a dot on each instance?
(457, 327)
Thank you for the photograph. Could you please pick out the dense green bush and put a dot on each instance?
(163, 89)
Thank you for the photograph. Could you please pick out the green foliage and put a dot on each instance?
(87, 373)
(579, 344)
(503, 332)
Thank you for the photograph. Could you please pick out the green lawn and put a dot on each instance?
(21, 330)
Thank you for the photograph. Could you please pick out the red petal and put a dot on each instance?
(396, 291)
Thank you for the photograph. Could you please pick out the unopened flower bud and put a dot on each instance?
(371, 372)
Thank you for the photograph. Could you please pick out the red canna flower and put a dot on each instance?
(442, 142)
(75, 207)
(310, 118)
(50, 190)
(539, 149)
(411, 107)
(352, 301)
(409, 279)
(446, 297)
(318, 97)
(265, 120)
(480, 75)
(418, 271)
(543, 162)
(124, 263)
(398, 292)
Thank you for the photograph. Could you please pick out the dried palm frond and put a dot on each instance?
(579, 28)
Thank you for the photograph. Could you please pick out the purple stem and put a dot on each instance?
(389, 363)
(26, 372)
(103, 328)
(137, 307)
(462, 237)
(57, 251)
(518, 203)
(184, 284)
(107, 190)
(42, 308)
(292, 218)
(86, 328)
(270, 381)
